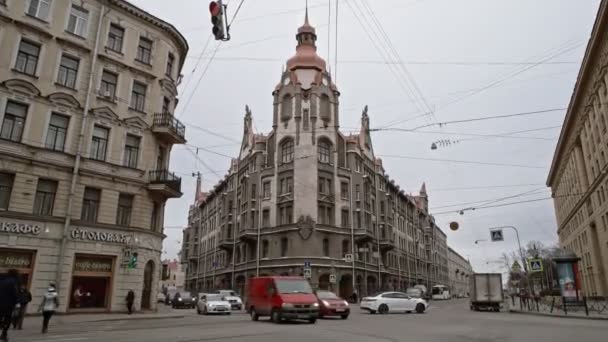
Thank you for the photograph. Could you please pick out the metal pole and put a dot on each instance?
(257, 266)
(76, 170)
(234, 223)
(352, 230)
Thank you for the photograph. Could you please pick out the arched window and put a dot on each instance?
(284, 243)
(324, 151)
(326, 247)
(287, 151)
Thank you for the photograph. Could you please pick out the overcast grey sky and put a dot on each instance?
(452, 49)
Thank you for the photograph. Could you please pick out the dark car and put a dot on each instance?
(169, 296)
(332, 305)
(183, 299)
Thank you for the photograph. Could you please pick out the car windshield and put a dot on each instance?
(327, 295)
(184, 295)
(293, 286)
(228, 293)
(214, 297)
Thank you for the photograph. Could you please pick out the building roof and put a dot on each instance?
(181, 41)
(599, 27)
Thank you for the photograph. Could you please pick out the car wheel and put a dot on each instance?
(205, 312)
(420, 308)
(312, 320)
(275, 316)
(373, 312)
(344, 316)
(383, 309)
(198, 310)
(253, 314)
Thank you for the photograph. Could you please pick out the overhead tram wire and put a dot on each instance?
(391, 46)
(203, 162)
(493, 200)
(198, 82)
(385, 55)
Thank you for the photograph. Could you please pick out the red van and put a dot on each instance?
(282, 298)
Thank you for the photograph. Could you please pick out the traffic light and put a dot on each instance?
(218, 14)
(133, 260)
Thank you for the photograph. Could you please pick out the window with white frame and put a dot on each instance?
(45, 197)
(138, 96)
(90, 205)
(99, 143)
(78, 21)
(109, 81)
(14, 121)
(27, 57)
(144, 50)
(68, 70)
(58, 128)
(131, 151)
(116, 35)
(125, 207)
(39, 8)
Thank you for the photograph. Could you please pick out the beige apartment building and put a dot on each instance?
(87, 89)
(460, 270)
(578, 173)
(308, 199)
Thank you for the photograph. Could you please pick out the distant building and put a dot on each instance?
(460, 271)
(87, 92)
(578, 175)
(172, 275)
(307, 194)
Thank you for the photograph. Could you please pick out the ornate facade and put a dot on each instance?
(87, 89)
(577, 178)
(306, 193)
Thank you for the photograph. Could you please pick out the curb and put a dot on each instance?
(593, 318)
(113, 319)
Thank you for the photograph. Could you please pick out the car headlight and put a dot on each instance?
(326, 303)
(316, 305)
(287, 305)
(179, 299)
(345, 303)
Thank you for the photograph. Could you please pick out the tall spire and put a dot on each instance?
(306, 15)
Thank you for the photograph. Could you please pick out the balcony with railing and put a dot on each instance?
(168, 128)
(165, 183)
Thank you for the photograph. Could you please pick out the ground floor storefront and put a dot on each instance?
(98, 267)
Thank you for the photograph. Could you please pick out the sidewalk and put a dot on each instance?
(68, 319)
(546, 312)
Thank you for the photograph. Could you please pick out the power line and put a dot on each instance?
(469, 120)
(493, 200)
(483, 187)
(460, 161)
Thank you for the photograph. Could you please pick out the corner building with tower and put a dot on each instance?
(307, 194)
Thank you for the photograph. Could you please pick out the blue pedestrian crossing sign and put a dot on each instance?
(496, 235)
(535, 265)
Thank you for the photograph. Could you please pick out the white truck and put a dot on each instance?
(486, 291)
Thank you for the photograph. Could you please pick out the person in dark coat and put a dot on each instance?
(130, 299)
(8, 300)
(24, 297)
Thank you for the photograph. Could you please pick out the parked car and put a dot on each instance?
(212, 304)
(160, 297)
(386, 302)
(282, 298)
(183, 299)
(332, 305)
(236, 303)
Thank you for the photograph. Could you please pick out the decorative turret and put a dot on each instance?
(306, 52)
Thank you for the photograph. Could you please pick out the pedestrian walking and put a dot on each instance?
(49, 304)
(8, 300)
(130, 299)
(24, 297)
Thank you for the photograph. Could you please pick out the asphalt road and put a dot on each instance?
(449, 321)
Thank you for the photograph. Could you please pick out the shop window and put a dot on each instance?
(45, 197)
(6, 186)
(21, 260)
(91, 281)
(90, 205)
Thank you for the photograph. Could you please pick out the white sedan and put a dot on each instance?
(212, 304)
(386, 302)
